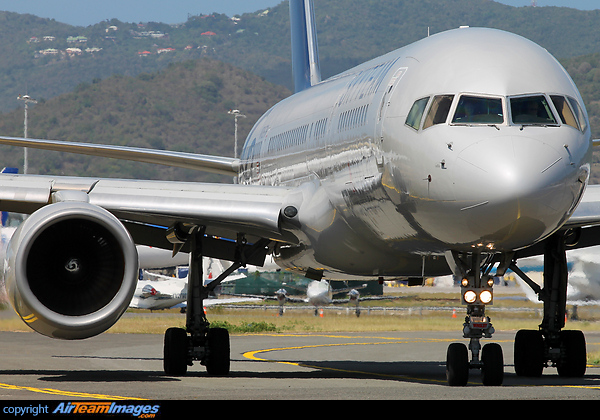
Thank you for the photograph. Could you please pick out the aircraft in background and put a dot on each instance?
(4, 214)
(584, 276)
(318, 294)
(163, 292)
(380, 172)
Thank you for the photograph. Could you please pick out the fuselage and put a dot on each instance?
(472, 140)
(159, 294)
(319, 293)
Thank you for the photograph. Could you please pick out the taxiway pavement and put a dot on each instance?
(360, 366)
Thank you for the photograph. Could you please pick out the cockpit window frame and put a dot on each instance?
(442, 109)
(579, 113)
(549, 108)
(566, 113)
(476, 95)
(414, 119)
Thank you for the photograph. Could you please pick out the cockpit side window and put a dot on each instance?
(478, 110)
(579, 113)
(416, 113)
(438, 111)
(533, 110)
(564, 111)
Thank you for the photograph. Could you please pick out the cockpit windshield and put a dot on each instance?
(478, 110)
(531, 110)
(472, 110)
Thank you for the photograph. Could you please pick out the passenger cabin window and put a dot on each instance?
(478, 110)
(531, 110)
(438, 112)
(416, 113)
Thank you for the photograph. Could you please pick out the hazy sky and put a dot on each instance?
(86, 12)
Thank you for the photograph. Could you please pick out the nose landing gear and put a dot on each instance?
(476, 293)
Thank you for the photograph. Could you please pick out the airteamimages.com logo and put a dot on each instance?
(78, 408)
(136, 410)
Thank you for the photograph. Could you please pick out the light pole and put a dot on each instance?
(27, 100)
(236, 114)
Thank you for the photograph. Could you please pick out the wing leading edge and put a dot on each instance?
(208, 163)
(226, 209)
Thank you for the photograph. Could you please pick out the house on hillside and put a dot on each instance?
(73, 51)
(48, 51)
(76, 39)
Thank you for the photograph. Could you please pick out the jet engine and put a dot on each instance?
(70, 270)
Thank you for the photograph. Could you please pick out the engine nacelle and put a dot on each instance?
(71, 270)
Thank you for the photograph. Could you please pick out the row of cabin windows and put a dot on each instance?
(473, 109)
(297, 136)
(367, 82)
(353, 118)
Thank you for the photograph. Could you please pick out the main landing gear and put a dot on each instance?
(549, 346)
(198, 341)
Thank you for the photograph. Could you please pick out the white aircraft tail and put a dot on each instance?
(305, 51)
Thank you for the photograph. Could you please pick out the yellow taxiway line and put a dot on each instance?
(71, 394)
(252, 355)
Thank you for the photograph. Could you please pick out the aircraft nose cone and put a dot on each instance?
(513, 190)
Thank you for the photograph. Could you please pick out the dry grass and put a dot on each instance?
(411, 312)
(243, 320)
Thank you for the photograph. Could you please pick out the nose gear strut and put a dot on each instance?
(476, 293)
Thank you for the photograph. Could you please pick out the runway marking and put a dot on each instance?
(392, 340)
(65, 393)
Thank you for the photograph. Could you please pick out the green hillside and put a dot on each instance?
(41, 56)
(157, 85)
(183, 108)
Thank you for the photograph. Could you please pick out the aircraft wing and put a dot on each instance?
(365, 298)
(148, 208)
(588, 210)
(267, 297)
(228, 301)
(214, 164)
(583, 225)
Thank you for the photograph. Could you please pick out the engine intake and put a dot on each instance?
(71, 269)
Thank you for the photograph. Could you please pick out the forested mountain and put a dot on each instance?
(41, 56)
(134, 83)
(183, 107)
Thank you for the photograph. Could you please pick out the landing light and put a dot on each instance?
(477, 296)
(485, 296)
(470, 296)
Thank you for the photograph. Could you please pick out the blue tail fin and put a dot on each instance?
(305, 51)
(4, 214)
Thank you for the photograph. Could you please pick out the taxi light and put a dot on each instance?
(470, 296)
(485, 296)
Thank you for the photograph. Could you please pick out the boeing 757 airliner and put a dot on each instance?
(458, 154)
